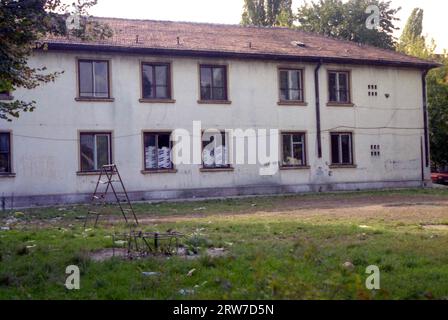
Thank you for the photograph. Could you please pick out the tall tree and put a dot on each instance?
(347, 20)
(437, 82)
(23, 23)
(412, 41)
(267, 13)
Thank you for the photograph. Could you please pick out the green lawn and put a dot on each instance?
(277, 248)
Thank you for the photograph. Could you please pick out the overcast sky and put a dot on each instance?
(229, 11)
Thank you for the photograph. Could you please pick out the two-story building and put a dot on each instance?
(348, 116)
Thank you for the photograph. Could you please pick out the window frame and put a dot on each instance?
(109, 80)
(110, 153)
(146, 170)
(304, 149)
(169, 99)
(347, 103)
(227, 144)
(225, 67)
(6, 96)
(10, 172)
(340, 155)
(301, 87)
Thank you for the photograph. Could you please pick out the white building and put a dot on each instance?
(362, 126)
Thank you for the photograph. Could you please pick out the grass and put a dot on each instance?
(276, 250)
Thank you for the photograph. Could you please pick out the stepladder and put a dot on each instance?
(110, 191)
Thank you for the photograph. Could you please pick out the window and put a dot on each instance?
(341, 149)
(95, 150)
(213, 81)
(293, 150)
(5, 152)
(291, 85)
(339, 85)
(156, 81)
(5, 95)
(93, 79)
(215, 152)
(157, 150)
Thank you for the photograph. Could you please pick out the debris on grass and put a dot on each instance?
(348, 266)
(5, 228)
(200, 209)
(150, 274)
(185, 292)
(365, 227)
(190, 273)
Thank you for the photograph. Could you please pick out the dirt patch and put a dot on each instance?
(436, 227)
(106, 254)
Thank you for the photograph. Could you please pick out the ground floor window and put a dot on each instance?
(5, 152)
(293, 149)
(157, 150)
(341, 148)
(96, 150)
(215, 151)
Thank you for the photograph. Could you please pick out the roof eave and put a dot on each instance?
(61, 46)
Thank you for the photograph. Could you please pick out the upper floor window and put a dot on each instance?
(95, 150)
(157, 150)
(156, 81)
(213, 80)
(339, 86)
(215, 151)
(94, 79)
(291, 85)
(341, 148)
(293, 149)
(5, 152)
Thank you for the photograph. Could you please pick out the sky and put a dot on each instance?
(229, 12)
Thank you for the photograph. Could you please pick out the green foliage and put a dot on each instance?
(347, 21)
(23, 24)
(267, 13)
(414, 43)
(437, 82)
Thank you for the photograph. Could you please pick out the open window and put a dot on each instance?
(341, 148)
(293, 150)
(291, 85)
(96, 150)
(157, 151)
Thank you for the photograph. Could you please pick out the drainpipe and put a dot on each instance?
(318, 129)
(425, 118)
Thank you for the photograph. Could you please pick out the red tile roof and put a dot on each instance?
(186, 38)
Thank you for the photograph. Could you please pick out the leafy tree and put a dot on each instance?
(437, 82)
(23, 23)
(267, 13)
(412, 42)
(347, 20)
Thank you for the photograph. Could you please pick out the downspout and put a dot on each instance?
(425, 118)
(318, 129)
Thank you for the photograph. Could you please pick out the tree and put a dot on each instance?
(412, 41)
(23, 23)
(437, 83)
(347, 20)
(267, 13)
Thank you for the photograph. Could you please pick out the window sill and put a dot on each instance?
(86, 99)
(7, 175)
(214, 102)
(295, 168)
(337, 104)
(158, 171)
(343, 166)
(217, 169)
(293, 103)
(157, 101)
